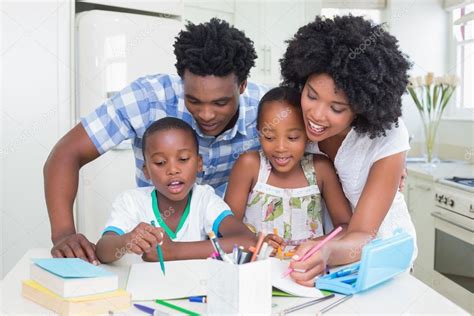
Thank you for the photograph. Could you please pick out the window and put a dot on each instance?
(463, 30)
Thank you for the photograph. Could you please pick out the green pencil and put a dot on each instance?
(160, 253)
(160, 256)
(177, 308)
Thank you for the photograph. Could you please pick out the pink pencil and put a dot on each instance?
(315, 248)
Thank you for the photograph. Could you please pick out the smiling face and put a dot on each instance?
(326, 111)
(282, 135)
(213, 101)
(172, 162)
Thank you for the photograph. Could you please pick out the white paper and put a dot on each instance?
(287, 284)
(183, 279)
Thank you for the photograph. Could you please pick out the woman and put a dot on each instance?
(352, 76)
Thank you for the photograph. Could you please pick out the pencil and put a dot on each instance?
(261, 235)
(160, 253)
(316, 248)
(177, 308)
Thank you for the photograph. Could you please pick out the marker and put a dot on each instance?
(218, 248)
(198, 299)
(240, 250)
(145, 309)
(235, 254)
(149, 310)
(315, 248)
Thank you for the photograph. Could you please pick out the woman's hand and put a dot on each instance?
(306, 271)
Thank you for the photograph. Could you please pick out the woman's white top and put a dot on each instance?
(353, 161)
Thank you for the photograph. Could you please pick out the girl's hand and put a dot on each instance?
(306, 271)
(143, 238)
(275, 242)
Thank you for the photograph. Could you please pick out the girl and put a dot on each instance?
(279, 187)
(352, 76)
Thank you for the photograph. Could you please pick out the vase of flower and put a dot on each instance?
(431, 96)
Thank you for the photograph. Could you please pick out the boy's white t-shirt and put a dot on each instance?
(207, 210)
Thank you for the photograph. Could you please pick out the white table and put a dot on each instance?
(404, 295)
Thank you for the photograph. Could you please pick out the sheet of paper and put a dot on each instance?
(71, 268)
(183, 279)
(286, 284)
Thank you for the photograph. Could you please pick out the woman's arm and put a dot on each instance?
(375, 201)
(232, 230)
(242, 179)
(338, 206)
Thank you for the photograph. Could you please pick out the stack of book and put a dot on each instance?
(72, 286)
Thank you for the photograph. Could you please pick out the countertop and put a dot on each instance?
(435, 172)
(402, 295)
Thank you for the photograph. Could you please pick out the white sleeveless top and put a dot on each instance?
(295, 213)
(353, 161)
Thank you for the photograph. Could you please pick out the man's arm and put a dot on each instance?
(61, 174)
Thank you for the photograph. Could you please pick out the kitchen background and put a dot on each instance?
(61, 59)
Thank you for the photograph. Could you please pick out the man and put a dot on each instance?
(211, 94)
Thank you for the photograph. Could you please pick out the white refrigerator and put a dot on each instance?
(112, 50)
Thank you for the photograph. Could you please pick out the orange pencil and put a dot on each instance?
(261, 236)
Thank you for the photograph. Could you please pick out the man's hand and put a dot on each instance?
(75, 246)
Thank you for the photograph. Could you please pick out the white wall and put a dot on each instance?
(422, 28)
(36, 112)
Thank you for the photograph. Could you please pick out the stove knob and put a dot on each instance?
(451, 203)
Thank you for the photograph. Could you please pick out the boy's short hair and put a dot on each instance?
(282, 94)
(214, 48)
(166, 124)
(364, 61)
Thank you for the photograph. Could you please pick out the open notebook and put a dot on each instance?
(188, 278)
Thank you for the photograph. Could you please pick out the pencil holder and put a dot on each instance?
(239, 289)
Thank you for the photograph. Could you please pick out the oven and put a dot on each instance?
(454, 243)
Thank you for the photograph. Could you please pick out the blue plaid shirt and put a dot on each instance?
(128, 113)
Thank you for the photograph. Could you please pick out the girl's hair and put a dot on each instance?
(281, 94)
(363, 60)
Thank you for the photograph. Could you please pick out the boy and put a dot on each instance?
(183, 211)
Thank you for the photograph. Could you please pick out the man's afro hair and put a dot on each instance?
(214, 48)
(364, 61)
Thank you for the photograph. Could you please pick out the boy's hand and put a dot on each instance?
(275, 241)
(75, 246)
(167, 248)
(143, 238)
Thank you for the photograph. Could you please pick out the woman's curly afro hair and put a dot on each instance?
(214, 48)
(364, 62)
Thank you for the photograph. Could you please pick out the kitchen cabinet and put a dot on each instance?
(419, 195)
(269, 24)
